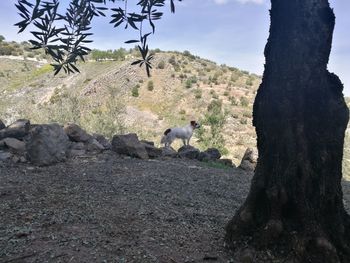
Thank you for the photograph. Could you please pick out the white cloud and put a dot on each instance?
(222, 2)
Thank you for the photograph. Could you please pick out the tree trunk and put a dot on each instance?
(300, 116)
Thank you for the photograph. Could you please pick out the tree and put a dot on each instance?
(295, 200)
(63, 35)
(2, 38)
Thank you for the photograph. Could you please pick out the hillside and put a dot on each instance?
(111, 97)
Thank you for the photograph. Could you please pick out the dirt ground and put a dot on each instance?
(112, 209)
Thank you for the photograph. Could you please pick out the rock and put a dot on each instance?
(211, 154)
(77, 146)
(94, 146)
(169, 152)
(74, 153)
(153, 152)
(147, 142)
(19, 129)
(2, 125)
(76, 134)
(2, 145)
(189, 152)
(47, 144)
(227, 162)
(249, 160)
(129, 144)
(4, 156)
(15, 145)
(103, 141)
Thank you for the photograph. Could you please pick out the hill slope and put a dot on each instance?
(110, 97)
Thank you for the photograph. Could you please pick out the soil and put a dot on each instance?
(109, 208)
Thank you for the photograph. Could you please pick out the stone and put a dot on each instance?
(211, 154)
(130, 145)
(77, 146)
(147, 142)
(15, 145)
(47, 144)
(76, 133)
(2, 125)
(189, 152)
(249, 160)
(153, 152)
(74, 153)
(19, 129)
(4, 156)
(103, 141)
(169, 152)
(94, 146)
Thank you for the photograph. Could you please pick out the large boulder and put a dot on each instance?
(249, 160)
(188, 151)
(47, 144)
(19, 129)
(76, 134)
(211, 154)
(129, 144)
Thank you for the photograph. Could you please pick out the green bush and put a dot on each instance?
(161, 65)
(188, 84)
(210, 134)
(150, 85)
(198, 93)
(135, 90)
(249, 82)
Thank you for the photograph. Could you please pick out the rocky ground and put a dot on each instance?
(117, 209)
(109, 208)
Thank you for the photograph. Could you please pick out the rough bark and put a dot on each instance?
(300, 116)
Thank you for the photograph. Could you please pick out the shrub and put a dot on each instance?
(244, 101)
(243, 121)
(172, 60)
(249, 82)
(161, 65)
(233, 101)
(135, 90)
(188, 84)
(150, 85)
(198, 93)
(247, 114)
(214, 120)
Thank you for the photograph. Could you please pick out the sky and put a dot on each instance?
(231, 32)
